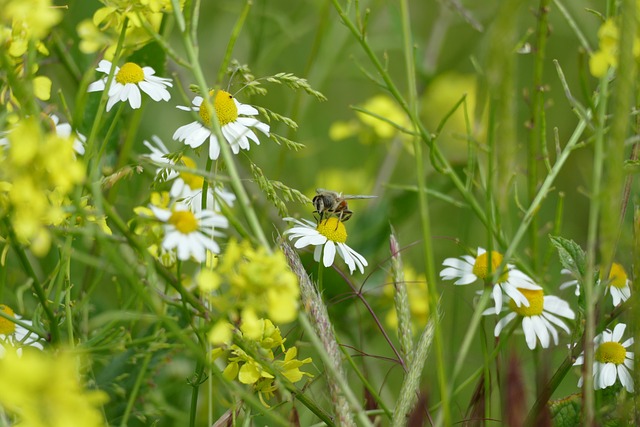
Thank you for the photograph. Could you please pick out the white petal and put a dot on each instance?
(541, 330)
(497, 296)
(529, 332)
(625, 378)
(329, 253)
(618, 332)
(244, 109)
(555, 305)
(607, 375)
(503, 322)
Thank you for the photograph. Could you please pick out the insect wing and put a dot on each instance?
(357, 196)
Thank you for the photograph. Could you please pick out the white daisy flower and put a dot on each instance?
(538, 317)
(328, 237)
(235, 129)
(15, 335)
(64, 130)
(612, 360)
(618, 284)
(187, 187)
(128, 81)
(468, 269)
(191, 234)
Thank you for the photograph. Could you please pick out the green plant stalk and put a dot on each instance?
(410, 386)
(354, 402)
(412, 106)
(501, 343)
(133, 394)
(97, 122)
(366, 383)
(329, 348)
(195, 388)
(592, 245)
(235, 181)
(437, 156)
(235, 33)
(537, 137)
(37, 286)
(545, 188)
(66, 259)
(614, 177)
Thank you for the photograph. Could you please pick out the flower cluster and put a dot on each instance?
(255, 282)
(254, 362)
(38, 170)
(101, 32)
(617, 284)
(38, 389)
(25, 23)
(526, 300)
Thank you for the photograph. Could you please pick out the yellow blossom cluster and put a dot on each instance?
(44, 390)
(38, 170)
(257, 283)
(607, 54)
(102, 31)
(260, 374)
(24, 24)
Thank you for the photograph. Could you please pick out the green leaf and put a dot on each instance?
(565, 412)
(571, 255)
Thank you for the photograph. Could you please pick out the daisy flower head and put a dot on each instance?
(612, 360)
(235, 127)
(328, 236)
(539, 317)
(128, 81)
(15, 335)
(468, 269)
(618, 284)
(187, 187)
(191, 234)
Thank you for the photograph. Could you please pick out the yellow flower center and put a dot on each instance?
(333, 229)
(611, 352)
(192, 180)
(184, 221)
(536, 303)
(130, 73)
(481, 266)
(226, 109)
(7, 327)
(617, 276)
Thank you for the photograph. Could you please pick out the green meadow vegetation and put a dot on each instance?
(325, 212)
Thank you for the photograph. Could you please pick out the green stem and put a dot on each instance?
(97, 121)
(236, 183)
(354, 402)
(412, 108)
(133, 395)
(537, 138)
(37, 286)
